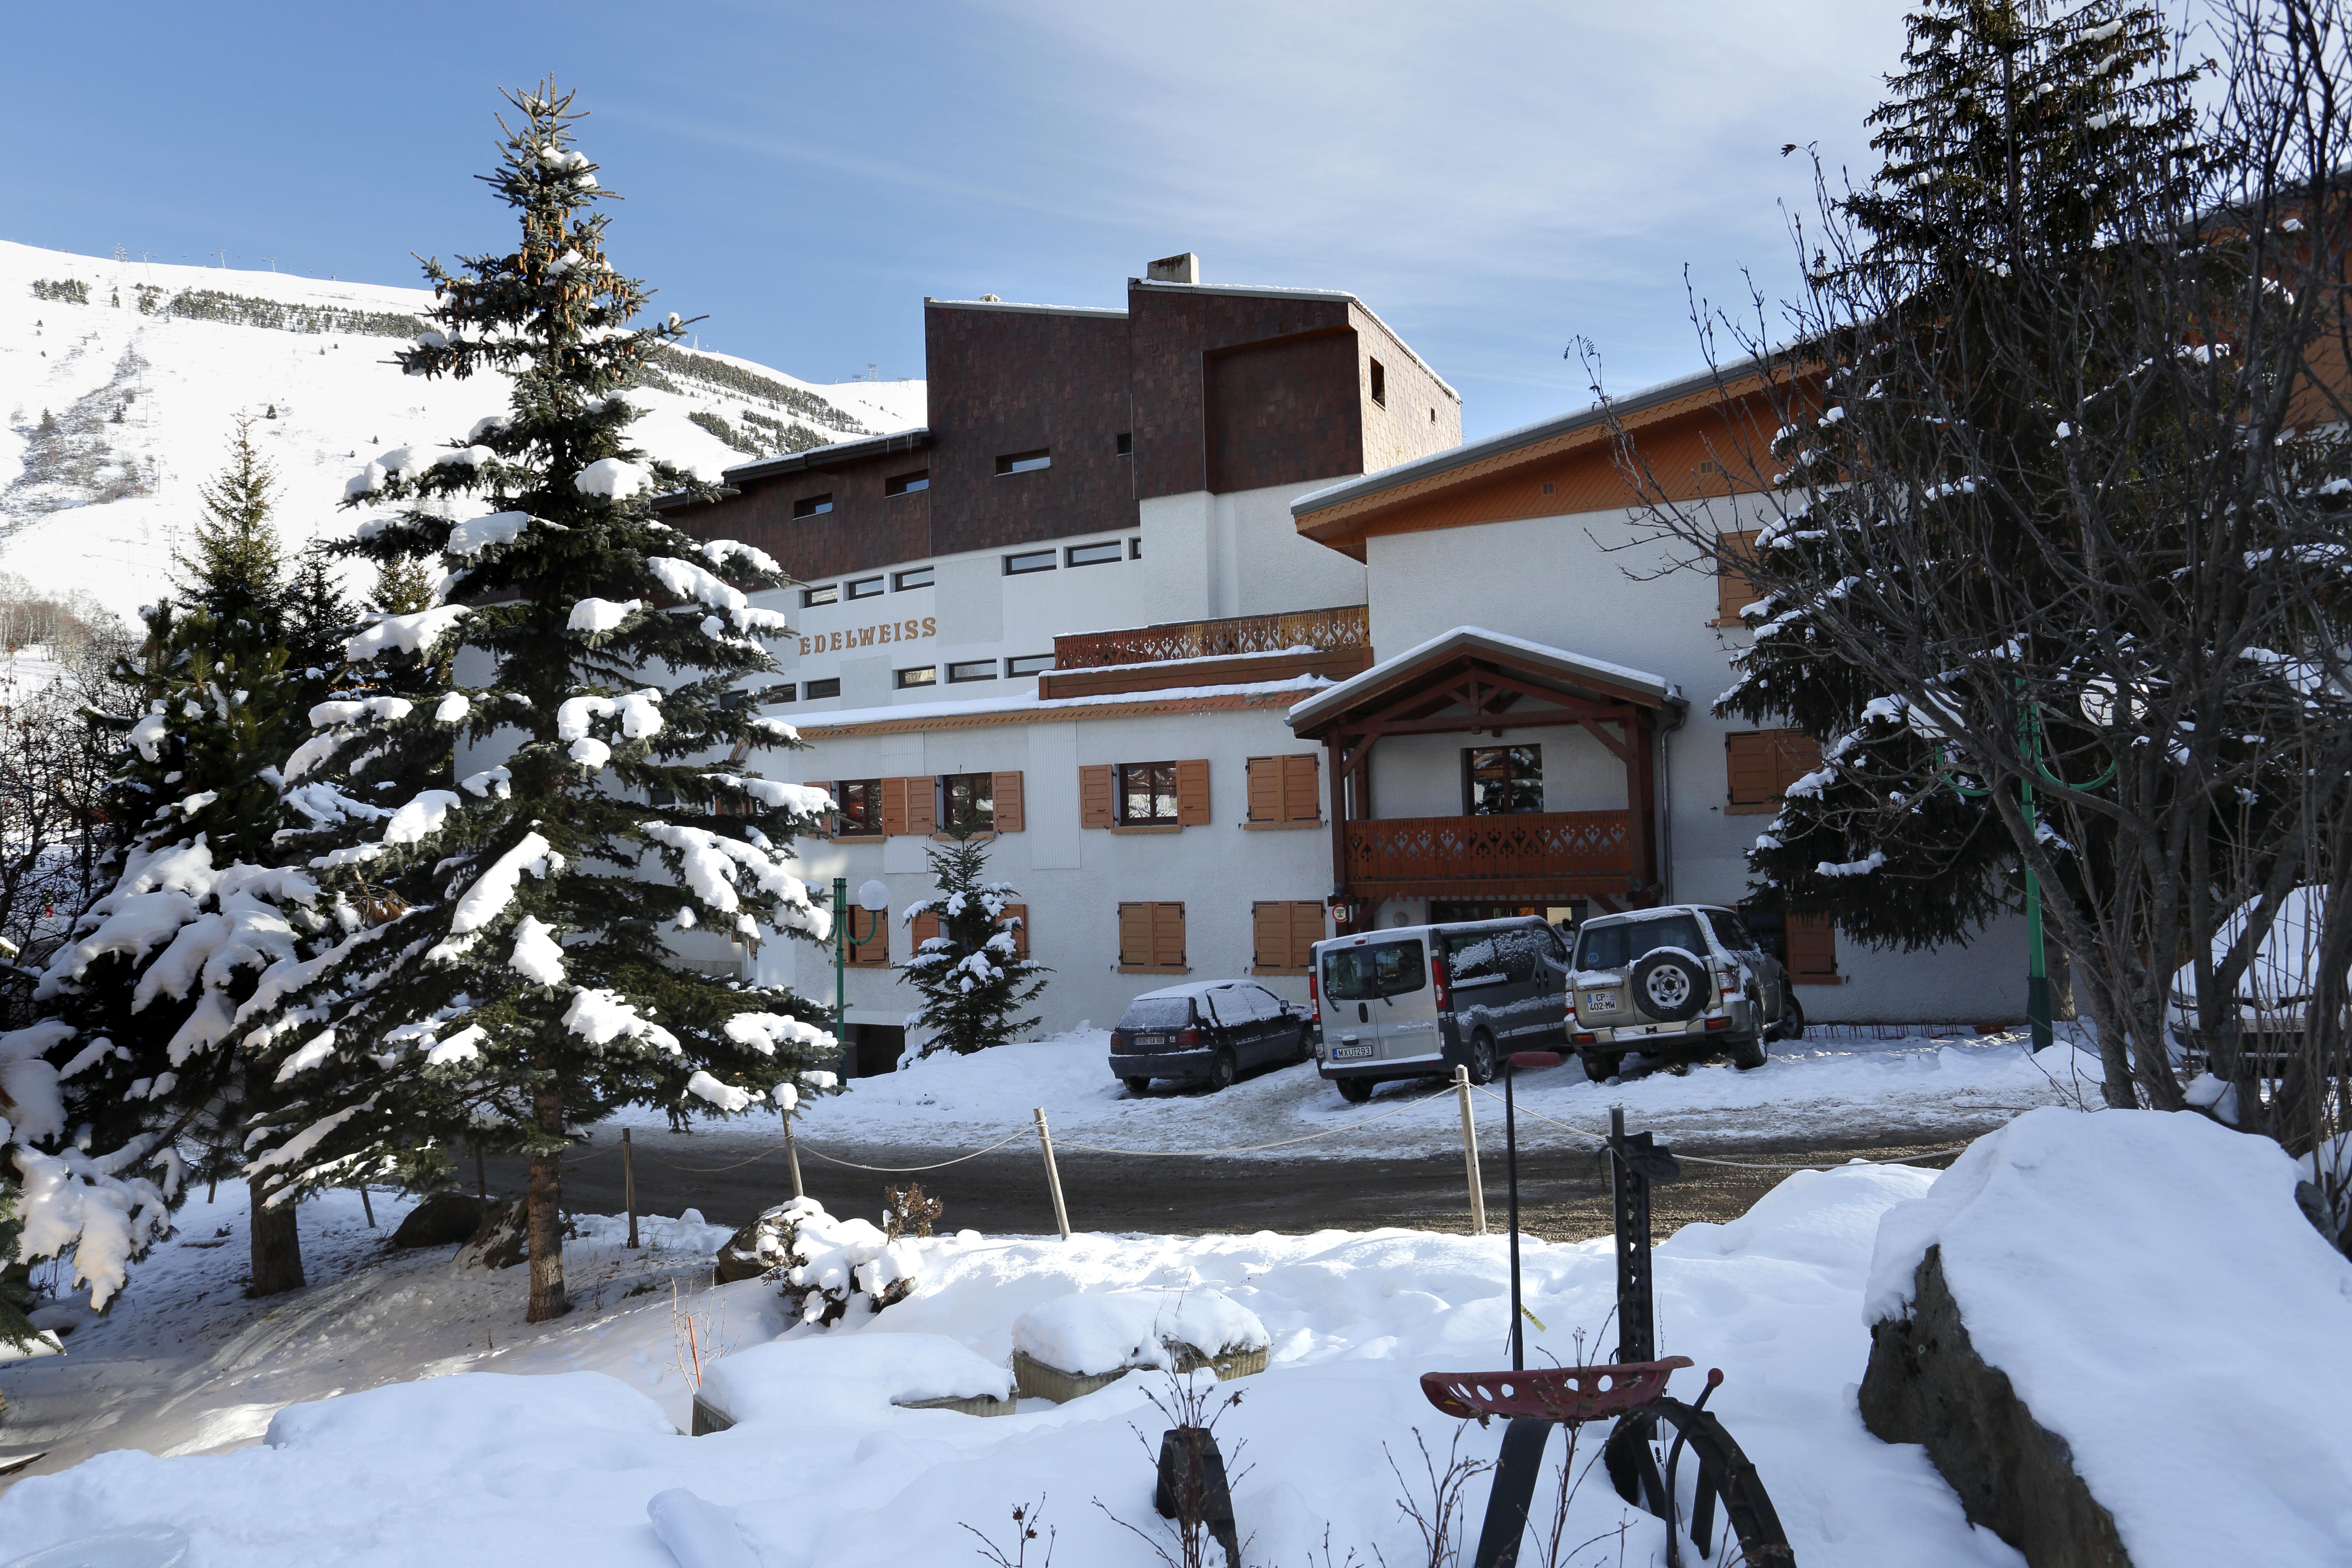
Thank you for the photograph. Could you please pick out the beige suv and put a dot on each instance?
(1680, 981)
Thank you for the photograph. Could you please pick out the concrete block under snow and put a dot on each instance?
(2121, 1342)
(796, 1380)
(1076, 1343)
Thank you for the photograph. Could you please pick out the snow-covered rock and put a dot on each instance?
(1092, 1332)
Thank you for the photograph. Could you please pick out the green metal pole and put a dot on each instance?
(840, 957)
(2037, 971)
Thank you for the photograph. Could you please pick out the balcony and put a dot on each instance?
(1525, 855)
(1336, 643)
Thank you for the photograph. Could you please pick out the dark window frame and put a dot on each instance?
(1092, 554)
(979, 793)
(825, 594)
(1126, 444)
(1380, 380)
(819, 690)
(914, 483)
(986, 665)
(902, 581)
(1035, 460)
(812, 505)
(1013, 670)
(915, 678)
(1051, 559)
(865, 588)
(1512, 777)
(859, 808)
(1121, 789)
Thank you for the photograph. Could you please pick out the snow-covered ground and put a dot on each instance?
(1856, 1090)
(464, 1466)
(141, 405)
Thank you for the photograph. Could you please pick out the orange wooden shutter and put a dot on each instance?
(1192, 793)
(1097, 799)
(869, 933)
(1752, 766)
(1269, 936)
(894, 807)
(1167, 935)
(1733, 589)
(922, 806)
(1265, 788)
(1015, 919)
(1007, 791)
(1794, 754)
(1135, 936)
(1302, 796)
(826, 823)
(1306, 930)
(1812, 950)
(922, 928)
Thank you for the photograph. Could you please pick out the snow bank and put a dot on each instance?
(2150, 1287)
(776, 1381)
(1104, 1331)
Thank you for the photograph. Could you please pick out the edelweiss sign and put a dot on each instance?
(868, 636)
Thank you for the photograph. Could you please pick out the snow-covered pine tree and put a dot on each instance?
(972, 977)
(147, 980)
(506, 968)
(2013, 135)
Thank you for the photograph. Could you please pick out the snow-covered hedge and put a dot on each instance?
(827, 1266)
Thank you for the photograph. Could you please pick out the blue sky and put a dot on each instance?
(1494, 178)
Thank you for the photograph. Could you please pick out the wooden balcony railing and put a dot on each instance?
(1345, 628)
(1526, 853)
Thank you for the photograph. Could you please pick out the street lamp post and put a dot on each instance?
(873, 896)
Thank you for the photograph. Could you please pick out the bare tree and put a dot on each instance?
(2052, 460)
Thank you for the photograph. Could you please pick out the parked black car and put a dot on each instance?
(1208, 1032)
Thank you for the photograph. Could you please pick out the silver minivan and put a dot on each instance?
(1418, 1001)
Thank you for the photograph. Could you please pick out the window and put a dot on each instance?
(1760, 764)
(829, 687)
(1806, 946)
(1147, 793)
(906, 484)
(1733, 589)
(972, 669)
(1024, 462)
(1029, 561)
(781, 691)
(860, 804)
(1729, 932)
(1618, 944)
(1144, 795)
(1283, 936)
(812, 505)
(866, 588)
(1125, 444)
(1379, 385)
(1284, 790)
(913, 577)
(869, 937)
(968, 801)
(1093, 554)
(1497, 780)
(1134, 548)
(1028, 664)
(1379, 969)
(929, 675)
(1151, 939)
(828, 595)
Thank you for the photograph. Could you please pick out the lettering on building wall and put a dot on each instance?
(881, 635)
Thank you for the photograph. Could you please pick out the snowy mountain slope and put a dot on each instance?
(119, 382)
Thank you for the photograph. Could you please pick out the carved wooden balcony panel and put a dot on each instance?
(1529, 852)
(1345, 628)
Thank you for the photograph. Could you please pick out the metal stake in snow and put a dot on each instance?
(1052, 1177)
(1470, 1153)
(629, 1186)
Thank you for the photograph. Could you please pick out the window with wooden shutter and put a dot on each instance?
(1734, 590)
(922, 929)
(1151, 939)
(922, 806)
(1283, 936)
(869, 937)
(1098, 795)
(1015, 919)
(1192, 793)
(894, 806)
(1811, 943)
(1760, 764)
(1284, 790)
(1008, 803)
(826, 823)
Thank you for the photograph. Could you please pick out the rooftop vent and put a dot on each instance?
(1184, 268)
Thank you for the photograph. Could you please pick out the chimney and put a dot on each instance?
(1184, 268)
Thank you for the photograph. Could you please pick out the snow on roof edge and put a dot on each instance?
(1667, 690)
(1014, 707)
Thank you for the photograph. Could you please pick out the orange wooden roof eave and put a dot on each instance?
(1346, 523)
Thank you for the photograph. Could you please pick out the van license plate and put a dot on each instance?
(1349, 1053)
(1601, 1001)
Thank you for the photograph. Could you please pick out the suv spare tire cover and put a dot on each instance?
(1669, 984)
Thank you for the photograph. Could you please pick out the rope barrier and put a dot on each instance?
(910, 1170)
(1256, 1148)
(1734, 1164)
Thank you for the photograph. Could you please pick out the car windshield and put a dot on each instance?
(1158, 1013)
(1617, 944)
(1363, 974)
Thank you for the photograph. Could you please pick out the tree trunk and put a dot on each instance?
(548, 1299)
(276, 1246)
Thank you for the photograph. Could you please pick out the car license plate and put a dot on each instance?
(1601, 1001)
(1153, 1042)
(1349, 1053)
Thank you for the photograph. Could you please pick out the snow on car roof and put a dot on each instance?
(1193, 988)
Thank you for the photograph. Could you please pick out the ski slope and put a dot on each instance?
(121, 382)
